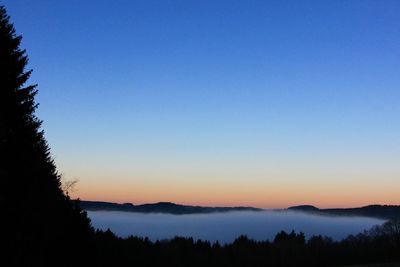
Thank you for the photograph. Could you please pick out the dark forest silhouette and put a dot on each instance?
(378, 245)
(42, 226)
(39, 222)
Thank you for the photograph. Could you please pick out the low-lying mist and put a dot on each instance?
(225, 227)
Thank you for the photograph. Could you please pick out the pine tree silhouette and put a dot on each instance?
(41, 225)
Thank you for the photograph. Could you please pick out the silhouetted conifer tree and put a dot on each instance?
(41, 225)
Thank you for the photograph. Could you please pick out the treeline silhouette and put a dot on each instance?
(41, 226)
(379, 245)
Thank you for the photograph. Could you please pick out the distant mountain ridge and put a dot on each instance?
(160, 207)
(375, 211)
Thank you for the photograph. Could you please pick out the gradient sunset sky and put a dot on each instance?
(261, 103)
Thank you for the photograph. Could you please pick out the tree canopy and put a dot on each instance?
(40, 222)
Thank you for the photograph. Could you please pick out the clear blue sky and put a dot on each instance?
(268, 103)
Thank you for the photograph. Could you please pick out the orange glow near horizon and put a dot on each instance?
(238, 195)
(264, 183)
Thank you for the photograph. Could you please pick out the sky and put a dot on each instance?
(261, 103)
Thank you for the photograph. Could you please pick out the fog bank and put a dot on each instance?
(225, 227)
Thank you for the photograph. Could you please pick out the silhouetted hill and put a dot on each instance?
(375, 211)
(160, 207)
